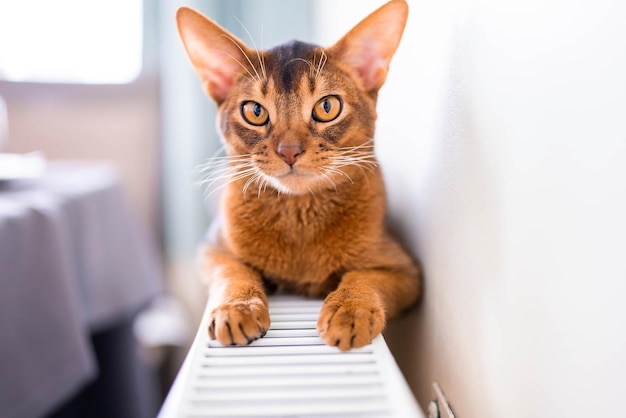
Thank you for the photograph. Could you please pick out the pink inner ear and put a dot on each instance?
(217, 84)
(370, 45)
(374, 74)
(370, 65)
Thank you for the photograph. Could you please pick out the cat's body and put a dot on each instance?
(304, 206)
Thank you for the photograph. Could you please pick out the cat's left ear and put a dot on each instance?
(218, 56)
(370, 45)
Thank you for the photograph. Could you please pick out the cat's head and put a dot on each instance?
(297, 117)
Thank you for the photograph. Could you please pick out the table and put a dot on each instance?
(72, 261)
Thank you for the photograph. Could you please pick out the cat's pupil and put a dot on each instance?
(257, 110)
(326, 106)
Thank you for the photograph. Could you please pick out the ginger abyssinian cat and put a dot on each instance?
(304, 206)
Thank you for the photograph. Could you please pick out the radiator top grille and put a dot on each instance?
(289, 373)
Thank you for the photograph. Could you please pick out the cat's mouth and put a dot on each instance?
(294, 181)
(294, 173)
(294, 176)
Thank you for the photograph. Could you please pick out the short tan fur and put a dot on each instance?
(304, 205)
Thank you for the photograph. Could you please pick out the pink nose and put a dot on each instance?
(289, 153)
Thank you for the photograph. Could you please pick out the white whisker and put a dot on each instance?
(218, 171)
(261, 56)
(215, 172)
(258, 54)
(329, 179)
(258, 77)
(219, 160)
(366, 145)
(322, 63)
(367, 165)
(307, 62)
(239, 62)
(262, 186)
(227, 178)
(340, 172)
(252, 179)
(359, 156)
(232, 180)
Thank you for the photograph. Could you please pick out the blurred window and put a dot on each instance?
(71, 41)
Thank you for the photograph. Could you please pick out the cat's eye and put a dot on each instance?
(327, 109)
(254, 113)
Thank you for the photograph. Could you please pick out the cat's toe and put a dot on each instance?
(239, 323)
(350, 323)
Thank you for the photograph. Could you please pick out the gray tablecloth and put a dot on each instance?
(72, 261)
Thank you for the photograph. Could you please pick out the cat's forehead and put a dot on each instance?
(287, 64)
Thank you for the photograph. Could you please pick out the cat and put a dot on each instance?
(303, 210)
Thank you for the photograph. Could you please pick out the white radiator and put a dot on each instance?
(289, 373)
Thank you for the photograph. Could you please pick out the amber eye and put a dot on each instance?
(327, 109)
(254, 113)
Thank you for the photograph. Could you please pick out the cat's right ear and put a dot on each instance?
(368, 48)
(217, 56)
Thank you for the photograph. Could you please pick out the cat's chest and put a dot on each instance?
(280, 227)
(298, 239)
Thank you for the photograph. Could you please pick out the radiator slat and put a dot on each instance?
(287, 333)
(295, 325)
(283, 382)
(289, 408)
(288, 370)
(264, 394)
(286, 341)
(280, 350)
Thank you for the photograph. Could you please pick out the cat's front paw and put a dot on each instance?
(239, 323)
(350, 320)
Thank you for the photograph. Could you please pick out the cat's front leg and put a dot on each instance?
(356, 312)
(238, 305)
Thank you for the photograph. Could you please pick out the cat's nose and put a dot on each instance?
(289, 153)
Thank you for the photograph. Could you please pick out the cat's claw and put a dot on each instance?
(350, 322)
(239, 323)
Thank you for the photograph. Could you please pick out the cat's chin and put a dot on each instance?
(294, 183)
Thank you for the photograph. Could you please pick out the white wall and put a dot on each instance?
(503, 140)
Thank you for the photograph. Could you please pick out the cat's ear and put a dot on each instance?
(217, 56)
(368, 48)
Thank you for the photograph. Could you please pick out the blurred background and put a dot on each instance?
(501, 134)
